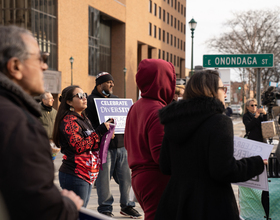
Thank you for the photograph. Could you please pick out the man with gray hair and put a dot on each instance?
(26, 168)
(48, 118)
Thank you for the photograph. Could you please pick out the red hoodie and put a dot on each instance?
(143, 132)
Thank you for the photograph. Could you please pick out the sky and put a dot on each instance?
(210, 15)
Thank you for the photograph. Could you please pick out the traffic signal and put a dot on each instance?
(239, 87)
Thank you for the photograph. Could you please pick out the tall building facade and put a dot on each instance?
(107, 35)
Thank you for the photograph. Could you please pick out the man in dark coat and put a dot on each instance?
(26, 167)
(116, 165)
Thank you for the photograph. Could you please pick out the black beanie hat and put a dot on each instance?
(103, 77)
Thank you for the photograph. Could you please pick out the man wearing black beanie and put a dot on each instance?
(116, 165)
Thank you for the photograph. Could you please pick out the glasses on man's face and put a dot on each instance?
(223, 88)
(254, 105)
(43, 56)
(80, 95)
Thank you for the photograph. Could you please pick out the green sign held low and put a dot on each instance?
(238, 60)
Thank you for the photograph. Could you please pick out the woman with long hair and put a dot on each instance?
(78, 140)
(252, 120)
(197, 151)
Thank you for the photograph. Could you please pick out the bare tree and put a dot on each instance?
(252, 32)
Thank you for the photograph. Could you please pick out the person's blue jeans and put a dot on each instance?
(81, 187)
(116, 167)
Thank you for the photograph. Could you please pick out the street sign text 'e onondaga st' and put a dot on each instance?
(238, 60)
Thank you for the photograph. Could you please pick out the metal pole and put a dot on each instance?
(259, 87)
(124, 84)
(192, 54)
(71, 74)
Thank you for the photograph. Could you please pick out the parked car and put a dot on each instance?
(236, 109)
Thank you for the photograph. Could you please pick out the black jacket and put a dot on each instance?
(197, 151)
(253, 126)
(91, 112)
(26, 166)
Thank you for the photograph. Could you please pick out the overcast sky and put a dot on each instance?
(210, 15)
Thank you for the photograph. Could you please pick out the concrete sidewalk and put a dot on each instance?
(93, 204)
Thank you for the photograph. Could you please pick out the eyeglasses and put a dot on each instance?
(43, 56)
(80, 95)
(254, 105)
(223, 88)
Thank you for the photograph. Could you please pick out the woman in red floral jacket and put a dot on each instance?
(78, 140)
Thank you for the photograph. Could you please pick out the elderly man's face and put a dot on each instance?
(48, 101)
(32, 68)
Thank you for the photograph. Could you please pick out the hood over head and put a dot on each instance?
(189, 114)
(156, 79)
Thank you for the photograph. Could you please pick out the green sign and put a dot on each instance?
(238, 60)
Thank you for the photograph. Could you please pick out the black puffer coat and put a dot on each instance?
(197, 151)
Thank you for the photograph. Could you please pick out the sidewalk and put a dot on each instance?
(93, 204)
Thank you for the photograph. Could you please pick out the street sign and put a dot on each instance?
(238, 60)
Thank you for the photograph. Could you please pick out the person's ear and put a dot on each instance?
(14, 67)
(69, 102)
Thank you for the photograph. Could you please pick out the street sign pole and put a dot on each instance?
(259, 87)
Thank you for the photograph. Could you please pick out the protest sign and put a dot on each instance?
(247, 148)
(113, 108)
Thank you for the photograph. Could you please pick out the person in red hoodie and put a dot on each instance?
(143, 136)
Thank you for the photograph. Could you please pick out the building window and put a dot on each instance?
(163, 55)
(150, 28)
(38, 17)
(155, 9)
(175, 41)
(174, 60)
(155, 31)
(178, 25)
(150, 6)
(159, 12)
(171, 39)
(182, 9)
(175, 22)
(167, 18)
(182, 27)
(43, 24)
(159, 33)
(163, 35)
(179, 7)
(167, 56)
(167, 38)
(171, 20)
(175, 5)
(163, 16)
(178, 44)
(178, 62)
(159, 52)
(172, 3)
(184, 46)
(99, 43)
(171, 57)
(181, 45)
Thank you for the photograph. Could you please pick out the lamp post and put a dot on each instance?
(124, 73)
(192, 25)
(71, 61)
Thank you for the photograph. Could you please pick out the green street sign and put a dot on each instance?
(238, 60)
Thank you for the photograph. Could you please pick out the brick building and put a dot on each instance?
(107, 35)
